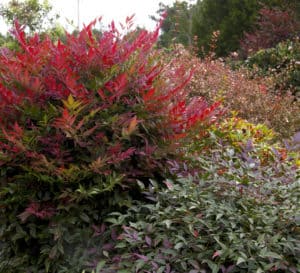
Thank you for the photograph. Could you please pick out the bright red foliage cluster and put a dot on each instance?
(94, 109)
(44, 72)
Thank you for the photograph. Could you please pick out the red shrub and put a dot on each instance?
(253, 99)
(273, 26)
(69, 86)
(81, 122)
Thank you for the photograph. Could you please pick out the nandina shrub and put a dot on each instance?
(81, 123)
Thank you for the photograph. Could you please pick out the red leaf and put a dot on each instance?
(40, 210)
(129, 18)
(196, 233)
(147, 96)
(216, 254)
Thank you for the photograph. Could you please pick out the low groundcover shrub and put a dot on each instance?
(234, 216)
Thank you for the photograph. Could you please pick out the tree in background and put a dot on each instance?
(35, 15)
(232, 18)
(186, 21)
(177, 26)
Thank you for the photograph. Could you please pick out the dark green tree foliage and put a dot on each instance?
(185, 21)
(32, 13)
(177, 26)
(230, 17)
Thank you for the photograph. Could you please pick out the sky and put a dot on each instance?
(116, 10)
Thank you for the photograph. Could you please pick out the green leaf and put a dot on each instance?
(240, 260)
(168, 223)
(111, 220)
(121, 245)
(179, 245)
(194, 263)
(161, 269)
(84, 217)
(140, 263)
(141, 184)
(100, 265)
(219, 215)
(214, 267)
(270, 254)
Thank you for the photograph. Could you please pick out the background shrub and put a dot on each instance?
(252, 98)
(274, 25)
(281, 63)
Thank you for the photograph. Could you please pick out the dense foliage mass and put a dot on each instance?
(119, 157)
(254, 98)
(212, 225)
(81, 123)
(236, 211)
(273, 26)
(280, 63)
(232, 208)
